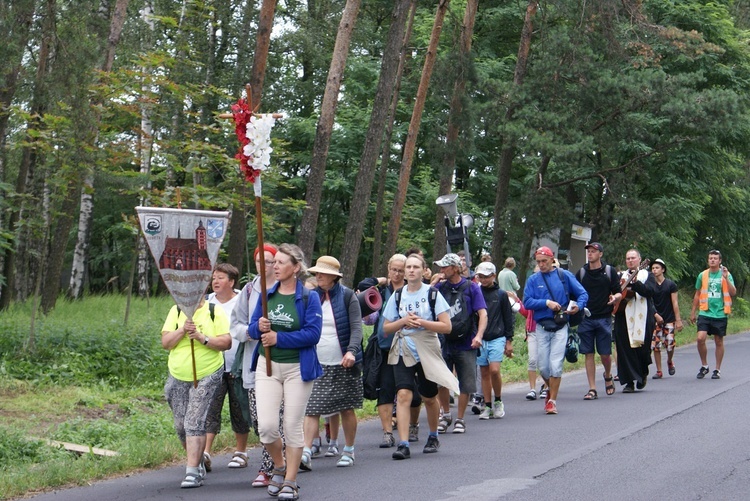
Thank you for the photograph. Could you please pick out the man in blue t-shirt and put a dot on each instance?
(469, 319)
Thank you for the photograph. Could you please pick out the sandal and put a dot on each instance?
(261, 480)
(192, 480)
(239, 460)
(276, 481)
(609, 386)
(290, 490)
(207, 461)
(346, 459)
(591, 395)
(658, 375)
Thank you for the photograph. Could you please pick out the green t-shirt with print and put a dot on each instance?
(282, 312)
(715, 294)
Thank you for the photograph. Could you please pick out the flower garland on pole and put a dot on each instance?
(253, 131)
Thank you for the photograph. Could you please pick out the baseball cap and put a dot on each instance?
(545, 251)
(367, 283)
(485, 269)
(449, 260)
(595, 245)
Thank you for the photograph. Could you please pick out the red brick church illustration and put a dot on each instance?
(186, 254)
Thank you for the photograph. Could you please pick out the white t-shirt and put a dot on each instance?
(228, 307)
(414, 302)
(328, 348)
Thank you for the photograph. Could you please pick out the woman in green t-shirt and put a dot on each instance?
(291, 331)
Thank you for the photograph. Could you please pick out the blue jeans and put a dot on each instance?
(551, 351)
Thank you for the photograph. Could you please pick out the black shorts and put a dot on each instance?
(713, 326)
(387, 384)
(405, 379)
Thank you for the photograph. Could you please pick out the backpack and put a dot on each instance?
(577, 318)
(372, 358)
(462, 319)
(431, 298)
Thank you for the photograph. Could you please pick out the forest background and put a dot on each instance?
(628, 116)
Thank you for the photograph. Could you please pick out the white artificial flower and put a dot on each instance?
(259, 148)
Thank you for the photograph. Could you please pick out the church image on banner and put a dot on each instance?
(185, 253)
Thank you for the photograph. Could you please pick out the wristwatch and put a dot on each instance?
(205, 340)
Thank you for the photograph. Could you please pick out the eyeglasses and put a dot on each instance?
(715, 252)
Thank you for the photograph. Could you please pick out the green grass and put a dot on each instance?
(91, 379)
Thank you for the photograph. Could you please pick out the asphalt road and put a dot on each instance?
(679, 439)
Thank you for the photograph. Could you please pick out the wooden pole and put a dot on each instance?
(192, 341)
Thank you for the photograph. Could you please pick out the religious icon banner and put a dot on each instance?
(185, 244)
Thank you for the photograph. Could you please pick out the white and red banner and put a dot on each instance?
(185, 244)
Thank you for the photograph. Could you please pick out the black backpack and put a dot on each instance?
(462, 318)
(431, 298)
(371, 360)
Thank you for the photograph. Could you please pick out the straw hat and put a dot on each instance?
(327, 264)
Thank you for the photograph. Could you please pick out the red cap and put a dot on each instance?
(545, 251)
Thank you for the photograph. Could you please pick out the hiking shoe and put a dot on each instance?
(414, 432)
(477, 403)
(402, 452)
(670, 366)
(498, 410)
(543, 392)
(702, 372)
(486, 413)
(641, 384)
(459, 427)
(305, 462)
(432, 445)
(550, 407)
(716, 374)
(333, 451)
(388, 441)
(658, 375)
(445, 422)
(531, 395)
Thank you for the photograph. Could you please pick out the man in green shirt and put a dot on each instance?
(714, 289)
(507, 279)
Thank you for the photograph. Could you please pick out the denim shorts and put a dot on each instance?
(491, 351)
(465, 365)
(596, 332)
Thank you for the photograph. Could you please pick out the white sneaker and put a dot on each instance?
(486, 413)
(498, 410)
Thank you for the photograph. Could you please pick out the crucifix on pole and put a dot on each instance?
(254, 134)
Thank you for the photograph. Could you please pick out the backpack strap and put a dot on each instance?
(211, 311)
(397, 293)
(432, 299)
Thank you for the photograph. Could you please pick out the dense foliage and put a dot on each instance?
(632, 118)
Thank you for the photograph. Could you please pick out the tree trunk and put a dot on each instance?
(29, 154)
(325, 126)
(411, 137)
(369, 158)
(16, 41)
(238, 223)
(379, 262)
(145, 149)
(448, 167)
(80, 255)
(508, 152)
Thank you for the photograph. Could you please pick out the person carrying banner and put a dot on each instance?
(291, 331)
(249, 297)
(209, 329)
